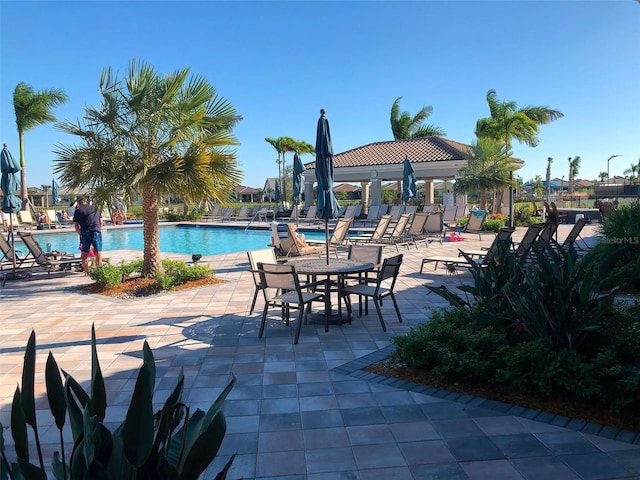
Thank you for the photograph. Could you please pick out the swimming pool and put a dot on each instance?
(186, 239)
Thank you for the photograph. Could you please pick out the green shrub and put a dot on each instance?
(177, 272)
(494, 225)
(618, 253)
(523, 216)
(173, 443)
(106, 275)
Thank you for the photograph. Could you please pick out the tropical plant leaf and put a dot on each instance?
(27, 398)
(204, 440)
(19, 427)
(98, 390)
(55, 392)
(137, 433)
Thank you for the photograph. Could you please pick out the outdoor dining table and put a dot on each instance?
(318, 267)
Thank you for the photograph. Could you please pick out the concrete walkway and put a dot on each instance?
(305, 411)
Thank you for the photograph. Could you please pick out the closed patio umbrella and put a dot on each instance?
(54, 192)
(276, 194)
(9, 183)
(408, 181)
(298, 170)
(327, 205)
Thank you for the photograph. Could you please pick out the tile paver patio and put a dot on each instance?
(305, 411)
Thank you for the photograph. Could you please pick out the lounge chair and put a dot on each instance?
(449, 216)
(410, 209)
(242, 214)
(399, 232)
(475, 224)
(378, 233)
(433, 227)
(310, 216)
(339, 236)
(288, 247)
(571, 240)
(26, 219)
(395, 212)
(11, 256)
(414, 232)
(372, 214)
(465, 259)
(49, 261)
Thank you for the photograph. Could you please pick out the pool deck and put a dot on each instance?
(305, 411)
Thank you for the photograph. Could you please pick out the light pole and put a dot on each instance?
(562, 185)
(608, 160)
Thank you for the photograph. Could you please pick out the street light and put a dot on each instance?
(608, 160)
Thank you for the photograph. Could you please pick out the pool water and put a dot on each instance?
(185, 239)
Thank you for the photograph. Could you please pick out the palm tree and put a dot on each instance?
(547, 185)
(574, 168)
(153, 134)
(403, 125)
(32, 109)
(45, 189)
(633, 172)
(602, 176)
(282, 146)
(507, 121)
(487, 169)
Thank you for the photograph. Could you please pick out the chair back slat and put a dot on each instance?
(390, 269)
(381, 228)
(365, 253)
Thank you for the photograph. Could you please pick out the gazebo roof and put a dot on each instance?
(419, 150)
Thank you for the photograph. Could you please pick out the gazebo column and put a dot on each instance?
(365, 195)
(308, 193)
(428, 191)
(461, 202)
(376, 192)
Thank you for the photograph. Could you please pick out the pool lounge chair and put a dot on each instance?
(378, 233)
(26, 219)
(372, 214)
(287, 246)
(339, 236)
(414, 232)
(485, 256)
(49, 261)
(9, 255)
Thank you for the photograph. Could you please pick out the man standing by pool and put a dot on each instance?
(88, 224)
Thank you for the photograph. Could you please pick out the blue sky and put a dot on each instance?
(280, 62)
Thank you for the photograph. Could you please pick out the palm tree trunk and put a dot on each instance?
(151, 259)
(23, 172)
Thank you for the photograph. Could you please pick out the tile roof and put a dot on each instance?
(419, 150)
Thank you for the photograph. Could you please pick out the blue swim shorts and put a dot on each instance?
(89, 239)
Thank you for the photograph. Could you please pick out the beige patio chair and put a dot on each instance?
(264, 255)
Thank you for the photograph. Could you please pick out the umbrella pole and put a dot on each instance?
(13, 242)
(326, 237)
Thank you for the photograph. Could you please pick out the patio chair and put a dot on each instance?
(265, 255)
(378, 233)
(465, 258)
(282, 289)
(363, 253)
(382, 287)
(49, 261)
(242, 214)
(410, 209)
